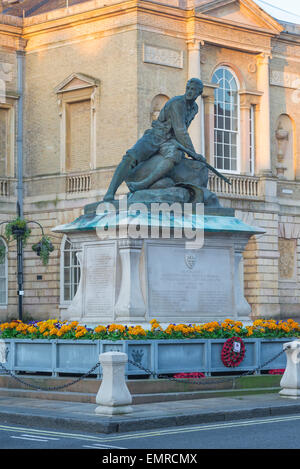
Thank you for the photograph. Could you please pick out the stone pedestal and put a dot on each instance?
(113, 396)
(132, 281)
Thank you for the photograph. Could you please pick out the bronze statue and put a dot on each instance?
(156, 169)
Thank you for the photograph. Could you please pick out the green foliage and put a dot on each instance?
(17, 228)
(2, 252)
(43, 249)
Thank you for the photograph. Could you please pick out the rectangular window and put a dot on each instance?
(78, 136)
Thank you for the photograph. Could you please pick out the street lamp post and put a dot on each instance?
(18, 234)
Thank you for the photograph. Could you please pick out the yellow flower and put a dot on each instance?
(136, 330)
(155, 325)
(116, 327)
(100, 329)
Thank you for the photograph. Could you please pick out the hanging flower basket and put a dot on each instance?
(17, 229)
(233, 352)
(43, 249)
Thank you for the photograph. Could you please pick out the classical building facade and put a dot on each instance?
(80, 81)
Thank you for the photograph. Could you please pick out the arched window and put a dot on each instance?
(3, 274)
(226, 135)
(70, 270)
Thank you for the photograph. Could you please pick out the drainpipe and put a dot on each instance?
(20, 188)
(20, 66)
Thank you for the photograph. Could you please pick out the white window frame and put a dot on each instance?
(64, 301)
(252, 139)
(5, 304)
(238, 132)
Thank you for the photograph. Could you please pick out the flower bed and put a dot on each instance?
(59, 347)
(55, 329)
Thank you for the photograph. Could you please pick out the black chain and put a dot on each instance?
(204, 381)
(52, 388)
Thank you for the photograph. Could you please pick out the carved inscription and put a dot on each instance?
(175, 289)
(163, 56)
(287, 259)
(100, 266)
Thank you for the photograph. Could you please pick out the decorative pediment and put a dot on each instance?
(245, 12)
(76, 81)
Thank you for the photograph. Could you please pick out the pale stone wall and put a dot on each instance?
(154, 78)
(105, 59)
(243, 65)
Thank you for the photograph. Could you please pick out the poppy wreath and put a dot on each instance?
(229, 356)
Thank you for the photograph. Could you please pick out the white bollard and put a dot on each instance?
(290, 381)
(113, 396)
(3, 351)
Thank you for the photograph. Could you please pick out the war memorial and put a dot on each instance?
(172, 277)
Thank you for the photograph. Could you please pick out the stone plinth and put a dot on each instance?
(128, 280)
(113, 396)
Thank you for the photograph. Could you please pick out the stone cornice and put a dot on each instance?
(186, 23)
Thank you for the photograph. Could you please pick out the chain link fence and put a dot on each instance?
(201, 382)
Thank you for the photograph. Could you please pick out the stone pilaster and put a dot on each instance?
(130, 304)
(194, 71)
(263, 116)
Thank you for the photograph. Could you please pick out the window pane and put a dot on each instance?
(227, 163)
(233, 139)
(234, 111)
(76, 275)
(219, 138)
(235, 125)
(67, 277)
(2, 291)
(67, 258)
(67, 295)
(220, 122)
(219, 163)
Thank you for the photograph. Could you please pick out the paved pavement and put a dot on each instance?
(82, 416)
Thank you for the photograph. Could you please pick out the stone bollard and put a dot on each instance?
(3, 352)
(290, 381)
(113, 396)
